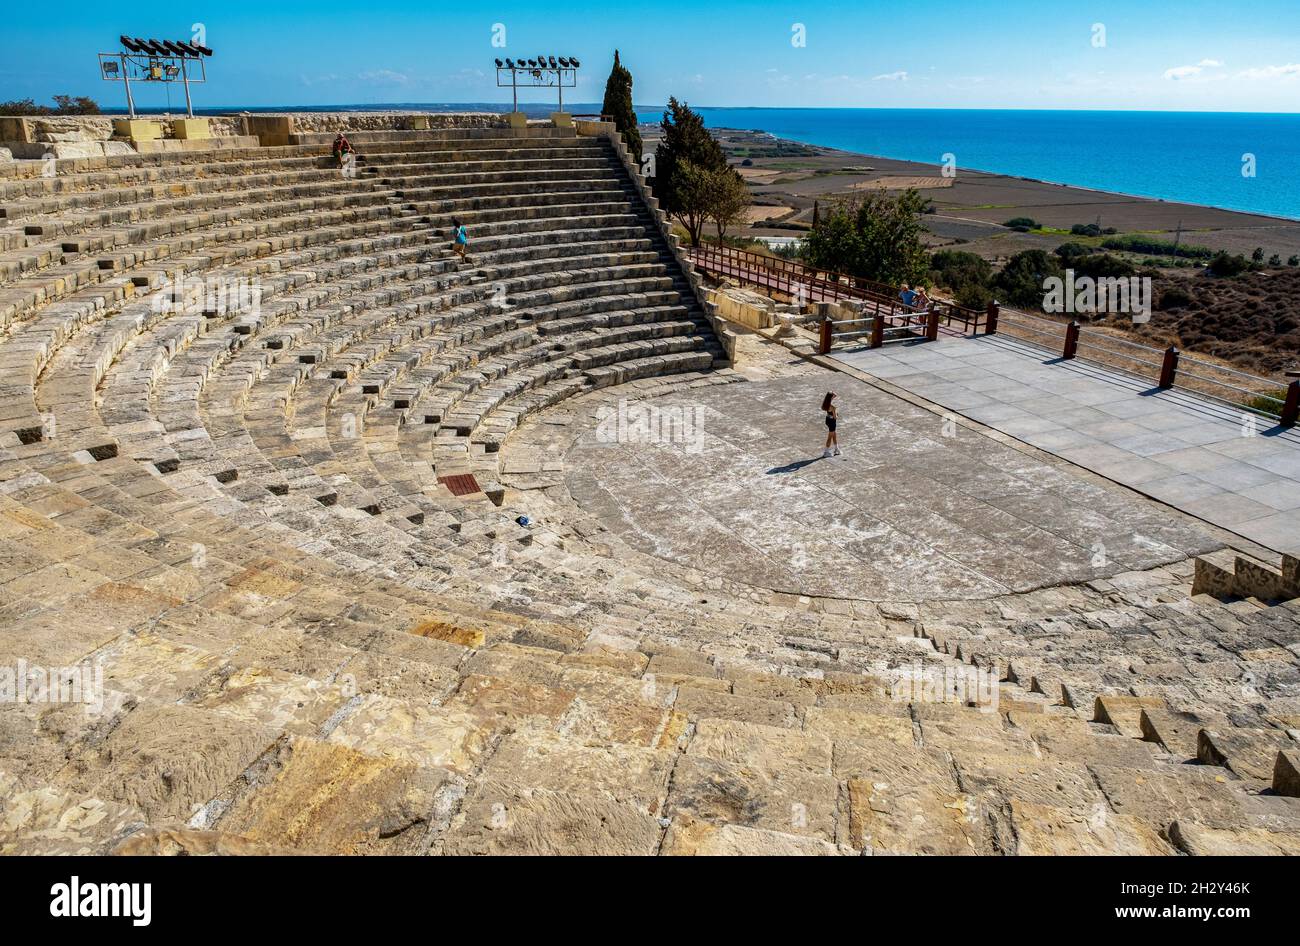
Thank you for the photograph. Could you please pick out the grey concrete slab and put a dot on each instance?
(1209, 458)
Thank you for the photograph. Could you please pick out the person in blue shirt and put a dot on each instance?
(460, 239)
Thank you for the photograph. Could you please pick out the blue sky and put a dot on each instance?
(1194, 54)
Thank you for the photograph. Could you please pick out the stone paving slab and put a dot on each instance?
(915, 509)
(1206, 458)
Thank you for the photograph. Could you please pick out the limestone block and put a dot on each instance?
(423, 735)
(324, 798)
(1286, 773)
(49, 821)
(1125, 712)
(166, 760)
(192, 842)
(562, 119)
(515, 119)
(1178, 732)
(688, 836)
(1185, 793)
(768, 749)
(1198, 839)
(192, 129)
(1250, 753)
(137, 129)
(509, 820)
(1041, 830)
(791, 802)
(887, 817)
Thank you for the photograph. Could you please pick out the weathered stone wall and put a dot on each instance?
(55, 129)
(384, 121)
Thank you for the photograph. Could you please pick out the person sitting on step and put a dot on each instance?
(342, 147)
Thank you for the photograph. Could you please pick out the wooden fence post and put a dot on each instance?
(1291, 410)
(991, 325)
(1169, 370)
(932, 324)
(877, 332)
(825, 345)
(1071, 341)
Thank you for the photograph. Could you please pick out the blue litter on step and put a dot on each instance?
(523, 520)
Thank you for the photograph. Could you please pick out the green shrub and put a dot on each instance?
(1022, 224)
(1139, 243)
(1071, 251)
(966, 275)
(1175, 297)
(1227, 266)
(1021, 281)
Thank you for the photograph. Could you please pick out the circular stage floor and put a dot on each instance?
(729, 480)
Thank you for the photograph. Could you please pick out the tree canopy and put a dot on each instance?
(876, 237)
(686, 162)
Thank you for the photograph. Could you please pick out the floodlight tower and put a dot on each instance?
(152, 60)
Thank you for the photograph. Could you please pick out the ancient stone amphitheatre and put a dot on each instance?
(333, 528)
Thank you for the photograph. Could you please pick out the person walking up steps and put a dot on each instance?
(832, 417)
(459, 239)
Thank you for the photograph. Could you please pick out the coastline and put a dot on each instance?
(788, 176)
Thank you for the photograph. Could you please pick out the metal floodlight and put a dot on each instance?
(155, 60)
(558, 72)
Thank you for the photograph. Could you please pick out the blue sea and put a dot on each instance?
(1190, 157)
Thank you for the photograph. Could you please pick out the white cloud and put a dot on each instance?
(1188, 72)
(1289, 71)
(384, 77)
(899, 76)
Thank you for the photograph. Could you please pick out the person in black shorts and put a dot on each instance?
(832, 417)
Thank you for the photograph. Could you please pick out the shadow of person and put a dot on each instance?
(794, 467)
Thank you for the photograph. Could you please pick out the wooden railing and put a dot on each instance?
(884, 317)
(1166, 367)
(810, 284)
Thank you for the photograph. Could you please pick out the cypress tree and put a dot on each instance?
(618, 104)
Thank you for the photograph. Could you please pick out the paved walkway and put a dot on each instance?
(916, 509)
(1195, 454)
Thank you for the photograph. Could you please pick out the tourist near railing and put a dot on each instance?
(1169, 367)
(800, 281)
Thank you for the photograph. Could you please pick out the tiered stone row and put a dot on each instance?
(309, 643)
